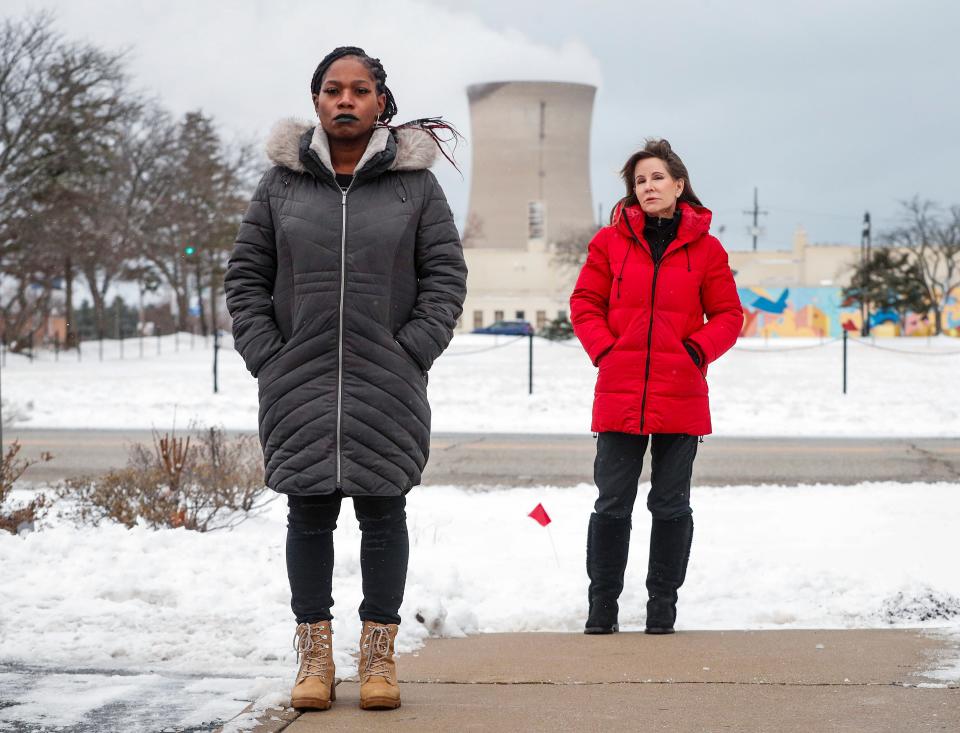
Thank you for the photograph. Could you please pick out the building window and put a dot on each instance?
(478, 319)
(535, 220)
(497, 316)
(520, 315)
(541, 320)
(561, 315)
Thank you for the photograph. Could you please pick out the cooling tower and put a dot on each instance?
(531, 162)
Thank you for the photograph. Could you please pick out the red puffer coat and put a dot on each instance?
(633, 318)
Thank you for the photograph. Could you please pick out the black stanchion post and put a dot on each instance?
(845, 335)
(216, 350)
(530, 363)
(101, 344)
(56, 347)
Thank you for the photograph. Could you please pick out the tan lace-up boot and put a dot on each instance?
(315, 688)
(377, 670)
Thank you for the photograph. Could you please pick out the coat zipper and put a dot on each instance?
(343, 286)
(646, 372)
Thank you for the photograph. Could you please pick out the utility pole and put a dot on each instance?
(864, 259)
(755, 212)
(865, 235)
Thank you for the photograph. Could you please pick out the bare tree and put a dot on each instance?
(60, 105)
(569, 250)
(930, 237)
(194, 225)
(472, 231)
(120, 205)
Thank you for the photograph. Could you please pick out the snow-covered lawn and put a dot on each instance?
(784, 387)
(216, 605)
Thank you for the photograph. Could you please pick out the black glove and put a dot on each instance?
(694, 354)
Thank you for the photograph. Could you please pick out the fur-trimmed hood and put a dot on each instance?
(415, 148)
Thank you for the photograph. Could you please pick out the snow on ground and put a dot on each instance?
(784, 387)
(171, 602)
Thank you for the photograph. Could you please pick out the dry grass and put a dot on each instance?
(201, 482)
(14, 518)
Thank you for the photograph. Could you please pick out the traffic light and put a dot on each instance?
(189, 250)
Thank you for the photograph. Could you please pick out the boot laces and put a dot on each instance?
(313, 644)
(377, 646)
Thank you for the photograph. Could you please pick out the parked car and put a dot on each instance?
(507, 328)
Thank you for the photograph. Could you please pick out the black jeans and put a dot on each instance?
(617, 467)
(384, 549)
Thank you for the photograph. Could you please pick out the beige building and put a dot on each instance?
(515, 283)
(530, 185)
(805, 265)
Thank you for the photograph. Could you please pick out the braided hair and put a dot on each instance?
(442, 132)
(373, 65)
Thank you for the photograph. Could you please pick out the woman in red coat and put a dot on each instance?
(654, 304)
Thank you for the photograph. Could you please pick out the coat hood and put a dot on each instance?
(407, 148)
(694, 221)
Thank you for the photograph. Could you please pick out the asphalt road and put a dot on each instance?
(491, 460)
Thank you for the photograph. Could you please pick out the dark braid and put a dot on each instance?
(376, 70)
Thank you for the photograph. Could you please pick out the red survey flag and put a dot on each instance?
(540, 514)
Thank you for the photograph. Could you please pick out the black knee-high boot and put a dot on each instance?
(608, 544)
(670, 541)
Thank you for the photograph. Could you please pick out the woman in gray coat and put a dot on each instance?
(345, 284)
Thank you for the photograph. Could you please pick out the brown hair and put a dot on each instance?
(660, 149)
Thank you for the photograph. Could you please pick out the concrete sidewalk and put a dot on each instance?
(784, 681)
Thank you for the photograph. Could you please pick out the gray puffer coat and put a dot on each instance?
(340, 304)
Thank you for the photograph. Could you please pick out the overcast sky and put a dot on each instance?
(829, 108)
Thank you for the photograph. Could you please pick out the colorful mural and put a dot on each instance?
(820, 312)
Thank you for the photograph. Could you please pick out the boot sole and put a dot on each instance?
(659, 630)
(315, 703)
(602, 629)
(311, 704)
(379, 703)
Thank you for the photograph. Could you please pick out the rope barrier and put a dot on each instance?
(486, 348)
(905, 351)
(575, 345)
(791, 348)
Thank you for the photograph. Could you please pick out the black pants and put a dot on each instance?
(617, 467)
(384, 549)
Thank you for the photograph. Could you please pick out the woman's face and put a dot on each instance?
(656, 190)
(348, 104)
